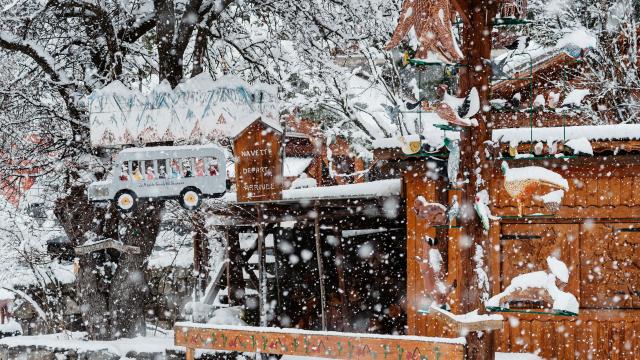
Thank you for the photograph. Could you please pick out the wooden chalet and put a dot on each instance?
(342, 265)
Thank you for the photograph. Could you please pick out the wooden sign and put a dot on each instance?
(106, 244)
(258, 163)
(317, 344)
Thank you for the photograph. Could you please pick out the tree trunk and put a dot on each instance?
(169, 61)
(77, 217)
(129, 287)
(110, 287)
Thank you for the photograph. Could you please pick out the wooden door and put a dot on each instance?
(525, 248)
(610, 266)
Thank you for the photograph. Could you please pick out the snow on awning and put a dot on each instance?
(294, 166)
(381, 188)
(590, 132)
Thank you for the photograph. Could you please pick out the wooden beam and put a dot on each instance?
(331, 345)
(106, 244)
(461, 7)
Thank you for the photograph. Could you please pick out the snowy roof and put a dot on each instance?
(294, 166)
(590, 132)
(572, 44)
(380, 188)
(198, 109)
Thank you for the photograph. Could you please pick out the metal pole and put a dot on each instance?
(323, 315)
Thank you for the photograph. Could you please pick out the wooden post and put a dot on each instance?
(191, 354)
(262, 283)
(342, 285)
(323, 305)
(476, 72)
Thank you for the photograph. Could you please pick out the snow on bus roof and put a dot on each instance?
(380, 188)
(590, 132)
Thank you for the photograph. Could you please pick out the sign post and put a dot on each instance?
(258, 163)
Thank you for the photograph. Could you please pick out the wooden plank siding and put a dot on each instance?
(594, 334)
(593, 193)
(416, 184)
(596, 233)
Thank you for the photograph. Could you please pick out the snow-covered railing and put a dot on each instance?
(318, 344)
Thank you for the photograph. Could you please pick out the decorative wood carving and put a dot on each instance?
(525, 248)
(332, 345)
(610, 266)
(431, 20)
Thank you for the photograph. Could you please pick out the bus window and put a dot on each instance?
(124, 171)
(175, 169)
(150, 174)
(136, 175)
(162, 169)
(212, 167)
(199, 167)
(186, 168)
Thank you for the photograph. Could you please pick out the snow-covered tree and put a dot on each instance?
(57, 52)
(610, 69)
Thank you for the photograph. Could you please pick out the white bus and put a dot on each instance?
(165, 172)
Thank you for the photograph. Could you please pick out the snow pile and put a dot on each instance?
(562, 301)
(12, 327)
(228, 316)
(78, 341)
(590, 132)
(575, 97)
(580, 145)
(468, 318)
(580, 38)
(536, 173)
(554, 197)
(558, 268)
(195, 110)
(304, 182)
(294, 166)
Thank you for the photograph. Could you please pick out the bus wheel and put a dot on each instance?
(126, 201)
(190, 198)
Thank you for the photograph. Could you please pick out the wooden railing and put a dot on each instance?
(331, 345)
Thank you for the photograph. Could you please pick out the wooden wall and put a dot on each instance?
(597, 234)
(419, 292)
(591, 335)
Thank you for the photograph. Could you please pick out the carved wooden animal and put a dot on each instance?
(431, 20)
